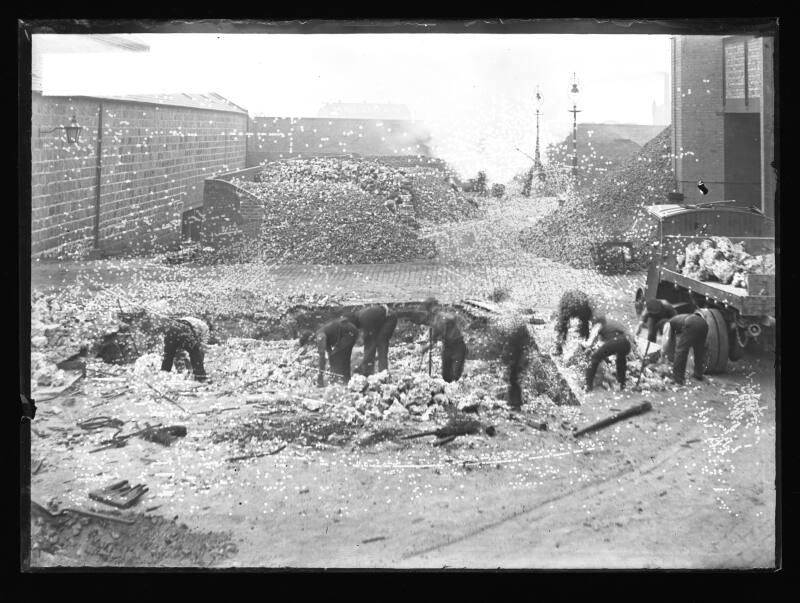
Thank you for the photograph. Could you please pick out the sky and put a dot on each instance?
(475, 92)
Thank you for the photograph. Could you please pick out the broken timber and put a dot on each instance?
(625, 414)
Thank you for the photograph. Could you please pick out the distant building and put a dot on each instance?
(723, 118)
(602, 146)
(273, 138)
(385, 111)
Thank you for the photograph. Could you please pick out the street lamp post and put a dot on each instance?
(537, 161)
(574, 96)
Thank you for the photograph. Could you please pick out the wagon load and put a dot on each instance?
(718, 259)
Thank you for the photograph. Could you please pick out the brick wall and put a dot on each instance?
(698, 129)
(272, 138)
(63, 177)
(154, 161)
(768, 95)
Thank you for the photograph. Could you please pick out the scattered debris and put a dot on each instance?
(100, 422)
(84, 539)
(312, 405)
(455, 427)
(631, 412)
(119, 494)
(257, 455)
(163, 435)
(163, 395)
(380, 435)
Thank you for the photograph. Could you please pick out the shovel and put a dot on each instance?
(644, 360)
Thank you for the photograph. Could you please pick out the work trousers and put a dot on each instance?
(692, 336)
(378, 341)
(619, 346)
(339, 357)
(181, 335)
(515, 357)
(454, 353)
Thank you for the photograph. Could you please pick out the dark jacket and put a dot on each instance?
(658, 312)
(445, 327)
(371, 318)
(612, 330)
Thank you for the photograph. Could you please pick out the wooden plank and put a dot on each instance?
(761, 284)
(736, 297)
(758, 306)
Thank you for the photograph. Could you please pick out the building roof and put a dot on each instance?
(210, 101)
(641, 134)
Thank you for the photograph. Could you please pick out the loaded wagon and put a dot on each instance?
(737, 317)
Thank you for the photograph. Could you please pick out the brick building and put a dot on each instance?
(723, 104)
(137, 169)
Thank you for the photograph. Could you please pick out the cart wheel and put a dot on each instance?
(667, 344)
(736, 351)
(717, 346)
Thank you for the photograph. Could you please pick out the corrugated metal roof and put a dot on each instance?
(210, 101)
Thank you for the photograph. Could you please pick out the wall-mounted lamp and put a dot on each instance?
(72, 130)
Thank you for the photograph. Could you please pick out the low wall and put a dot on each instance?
(229, 211)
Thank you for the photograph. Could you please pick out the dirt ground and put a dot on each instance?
(264, 479)
(689, 484)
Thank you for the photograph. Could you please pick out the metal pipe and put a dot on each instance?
(574, 112)
(537, 160)
(98, 173)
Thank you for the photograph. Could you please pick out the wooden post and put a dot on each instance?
(430, 351)
(625, 414)
(98, 172)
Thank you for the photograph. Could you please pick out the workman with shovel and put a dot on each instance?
(337, 338)
(377, 323)
(190, 334)
(573, 304)
(616, 340)
(688, 331)
(657, 313)
(444, 327)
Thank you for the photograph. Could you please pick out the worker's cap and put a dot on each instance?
(430, 301)
(653, 305)
(305, 336)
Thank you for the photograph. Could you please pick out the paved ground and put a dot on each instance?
(535, 281)
(476, 258)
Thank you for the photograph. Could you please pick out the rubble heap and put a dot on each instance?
(348, 211)
(577, 356)
(719, 259)
(612, 210)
